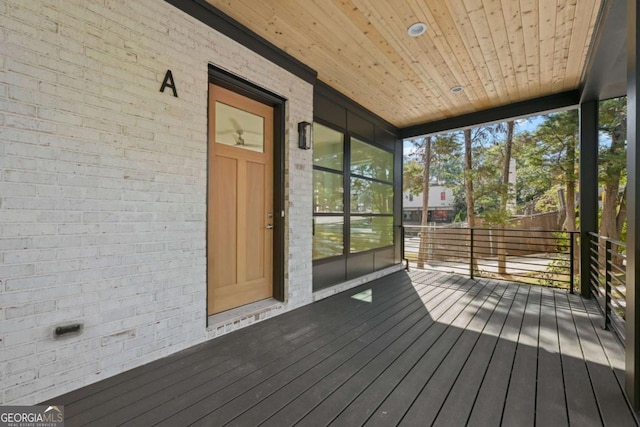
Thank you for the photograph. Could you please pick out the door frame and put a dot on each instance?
(222, 78)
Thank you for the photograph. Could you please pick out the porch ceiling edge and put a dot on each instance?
(545, 104)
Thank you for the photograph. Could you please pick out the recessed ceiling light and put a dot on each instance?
(456, 89)
(417, 29)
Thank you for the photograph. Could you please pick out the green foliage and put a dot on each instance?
(533, 180)
(487, 181)
(446, 163)
(412, 177)
(488, 145)
(556, 274)
(546, 161)
(461, 215)
(612, 166)
(446, 158)
(556, 142)
(548, 200)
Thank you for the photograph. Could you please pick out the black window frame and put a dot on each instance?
(345, 199)
(347, 166)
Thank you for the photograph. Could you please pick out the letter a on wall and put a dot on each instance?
(168, 82)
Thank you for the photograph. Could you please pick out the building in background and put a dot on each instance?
(442, 209)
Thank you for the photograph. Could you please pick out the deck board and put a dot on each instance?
(429, 349)
(489, 320)
(551, 407)
(364, 366)
(581, 407)
(360, 410)
(612, 404)
(489, 402)
(519, 408)
(325, 359)
(395, 406)
(355, 397)
(616, 358)
(330, 372)
(290, 385)
(457, 407)
(278, 358)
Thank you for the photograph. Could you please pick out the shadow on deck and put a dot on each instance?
(420, 348)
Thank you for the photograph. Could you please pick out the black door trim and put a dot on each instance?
(237, 84)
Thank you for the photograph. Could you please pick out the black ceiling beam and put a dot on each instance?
(545, 104)
(219, 21)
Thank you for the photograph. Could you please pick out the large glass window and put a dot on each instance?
(368, 215)
(328, 192)
(328, 148)
(370, 161)
(371, 197)
(328, 236)
(371, 193)
(370, 232)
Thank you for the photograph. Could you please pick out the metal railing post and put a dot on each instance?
(402, 248)
(607, 283)
(471, 254)
(571, 262)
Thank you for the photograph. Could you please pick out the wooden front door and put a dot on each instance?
(240, 200)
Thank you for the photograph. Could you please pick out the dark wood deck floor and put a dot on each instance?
(419, 349)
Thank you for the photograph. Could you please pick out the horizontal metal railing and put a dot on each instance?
(542, 257)
(607, 271)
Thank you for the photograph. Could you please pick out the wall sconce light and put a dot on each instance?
(305, 135)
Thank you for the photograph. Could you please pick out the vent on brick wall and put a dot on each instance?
(68, 329)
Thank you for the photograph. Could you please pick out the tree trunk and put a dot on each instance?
(570, 218)
(609, 223)
(608, 226)
(424, 241)
(620, 220)
(622, 212)
(614, 206)
(468, 188)
(468, 179)
(504, 197)
(570, 187)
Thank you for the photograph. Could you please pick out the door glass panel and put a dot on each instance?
(328, 236)
(239, 128)
(328, 147)
(370, 161)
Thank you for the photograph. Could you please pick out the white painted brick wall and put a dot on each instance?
(103, 188)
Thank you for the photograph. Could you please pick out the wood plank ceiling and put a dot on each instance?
(499, 51)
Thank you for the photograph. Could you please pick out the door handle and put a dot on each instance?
(269, 226)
